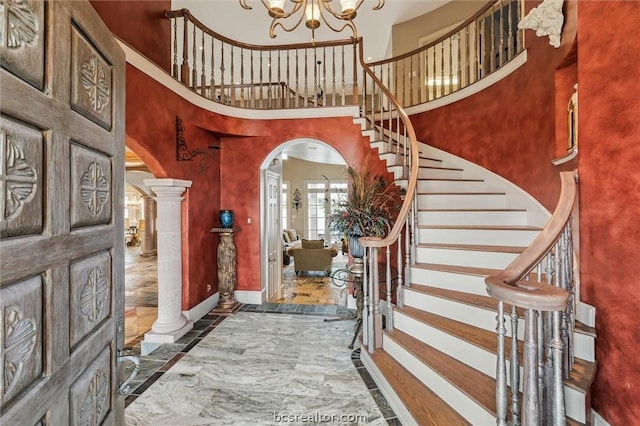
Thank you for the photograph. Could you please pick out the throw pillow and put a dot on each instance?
(293, 235)
(312, 244)
(285, 236)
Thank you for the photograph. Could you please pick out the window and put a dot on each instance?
(321, 195)
(316, 212)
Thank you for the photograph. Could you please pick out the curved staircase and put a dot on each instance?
(437, 366)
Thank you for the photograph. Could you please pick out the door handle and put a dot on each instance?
(123, 388)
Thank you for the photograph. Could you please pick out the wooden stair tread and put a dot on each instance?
(459, 193)
(476, 385)
(582, 375)
(472, 210)
(484, 302)
(479, 337)
(424, 405)
(483, 227)
(442, 168)
(466, 270)
(449, 180)
(585, 329)
(475, 247)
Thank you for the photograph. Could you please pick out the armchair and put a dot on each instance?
(312, 256)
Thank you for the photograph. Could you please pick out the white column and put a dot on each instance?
(171, 324)
(148, 238)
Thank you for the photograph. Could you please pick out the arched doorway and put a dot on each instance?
(141, 279)
(307, 174)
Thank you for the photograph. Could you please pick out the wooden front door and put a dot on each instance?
(61, 224)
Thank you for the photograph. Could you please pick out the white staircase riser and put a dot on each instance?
(496, 237)
(478, 259)
(476, 357)
(466, 407)
(473, 284)
(479, 317)
(584, 347)
(450, 186)
(461, 201)
(465, 352)
(448, 217)
(439, 173)
(397, 171)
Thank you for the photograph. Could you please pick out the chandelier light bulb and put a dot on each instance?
(313, 15)
(276, 8)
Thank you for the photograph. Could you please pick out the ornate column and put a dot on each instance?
(227, 277)
(171, 324)
(148, 239)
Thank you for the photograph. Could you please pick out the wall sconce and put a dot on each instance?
(297, 199)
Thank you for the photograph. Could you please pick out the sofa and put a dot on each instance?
(312, 256)
(291, 239)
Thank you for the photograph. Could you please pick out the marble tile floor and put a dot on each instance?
(141, 290)
(141, 294)
(265, 359)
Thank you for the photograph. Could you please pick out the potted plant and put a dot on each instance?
(368, 209)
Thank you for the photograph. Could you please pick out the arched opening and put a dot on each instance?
(141, 278)
(308, 176)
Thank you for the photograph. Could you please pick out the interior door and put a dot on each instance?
(61, 224)
(274, 237)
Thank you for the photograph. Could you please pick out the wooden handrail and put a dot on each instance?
(509, 286)
(413, 176)
(185, 13)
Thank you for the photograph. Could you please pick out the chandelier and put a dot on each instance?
(312, 13)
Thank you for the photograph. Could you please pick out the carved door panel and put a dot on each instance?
(61, 218)
(274, 237)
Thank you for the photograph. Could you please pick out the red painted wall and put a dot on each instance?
(141, 24)
(609, 155)
(151, 133)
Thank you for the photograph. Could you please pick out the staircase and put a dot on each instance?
(438, 364)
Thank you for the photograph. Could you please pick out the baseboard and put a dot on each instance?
(392, 398)
(202, 308)
(598, 420)
(249, 297)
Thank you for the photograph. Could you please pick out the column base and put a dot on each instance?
(218, 310)
(149, 254)
(153, 340)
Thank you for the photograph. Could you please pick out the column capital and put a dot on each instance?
(167, 182)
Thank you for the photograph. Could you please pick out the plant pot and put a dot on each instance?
(355, 248)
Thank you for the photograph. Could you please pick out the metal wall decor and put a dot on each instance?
(297, 199)
(183, 152)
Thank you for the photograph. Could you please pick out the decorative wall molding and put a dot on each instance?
(546, 19)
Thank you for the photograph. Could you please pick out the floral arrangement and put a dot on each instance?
(368, 207)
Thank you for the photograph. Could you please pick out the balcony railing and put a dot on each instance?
(473, 50)
(262, 77)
